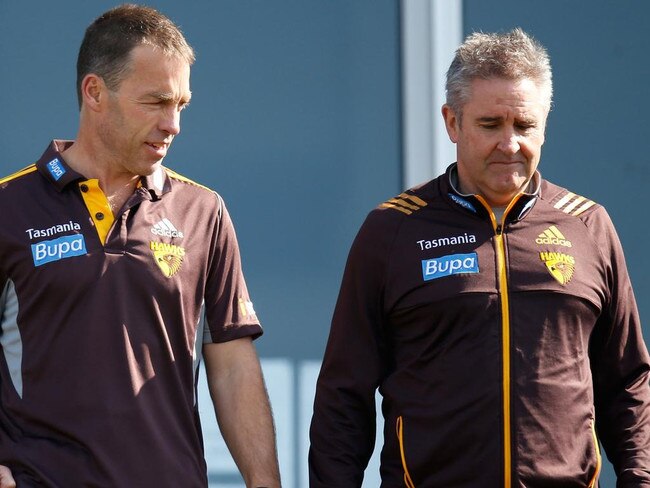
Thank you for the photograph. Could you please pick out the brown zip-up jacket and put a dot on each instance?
(504, 350)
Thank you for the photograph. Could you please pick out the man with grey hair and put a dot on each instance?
(491, 308)
(118, 275)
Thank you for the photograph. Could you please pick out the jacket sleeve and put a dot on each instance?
(343, 425)
(621, 369)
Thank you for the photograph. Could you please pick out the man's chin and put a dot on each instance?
(150, 169)
(512, 184)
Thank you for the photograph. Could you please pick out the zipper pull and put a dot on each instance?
(499, 229)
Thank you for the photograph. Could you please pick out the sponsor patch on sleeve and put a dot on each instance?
(449, 265)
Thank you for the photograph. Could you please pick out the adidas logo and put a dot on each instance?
(552, 235)
(165, 228)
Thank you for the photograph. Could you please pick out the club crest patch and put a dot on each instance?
(169, 257)
(560, 265)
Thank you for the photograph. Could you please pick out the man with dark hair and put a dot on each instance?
(491, 308)
(109, 40)
(117, 274)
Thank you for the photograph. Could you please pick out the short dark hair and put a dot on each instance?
(109, 40)
(512, 55)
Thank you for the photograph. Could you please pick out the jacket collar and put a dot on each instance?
(476, 205)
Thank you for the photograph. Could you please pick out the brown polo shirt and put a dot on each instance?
(102, 321)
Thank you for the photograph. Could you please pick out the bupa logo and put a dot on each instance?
(462, 202)
(55, 169)
(64, 247)
(449, 265)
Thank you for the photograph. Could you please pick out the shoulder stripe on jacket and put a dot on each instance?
(405, 203)
(573, 204)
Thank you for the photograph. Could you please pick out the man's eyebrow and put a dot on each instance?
(169, 97)
(496, 119)
(526, 120)
(490, 119)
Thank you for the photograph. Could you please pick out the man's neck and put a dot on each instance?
(117, 186)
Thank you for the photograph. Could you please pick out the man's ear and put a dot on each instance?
(93, 91)
(452, 122)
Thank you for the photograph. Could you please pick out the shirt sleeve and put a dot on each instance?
(621, 369)
(343, 424)
(229, 312)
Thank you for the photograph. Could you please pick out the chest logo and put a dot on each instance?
(560, 265)
(69, 226)
(165, 228)
(56, 249)
(449, 265)
(169, 257)
(446, 241)
(552, 235)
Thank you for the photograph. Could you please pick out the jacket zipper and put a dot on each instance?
(505, 335)
(408, 482)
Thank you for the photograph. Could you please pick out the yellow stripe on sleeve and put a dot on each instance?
(25, 171)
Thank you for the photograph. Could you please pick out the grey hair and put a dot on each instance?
(512, 55)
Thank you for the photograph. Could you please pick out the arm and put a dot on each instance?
(621, 372)
(242, 408)
(343, 426)
(6, 480)
(622, 399)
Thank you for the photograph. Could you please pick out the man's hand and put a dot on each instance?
(6, 480)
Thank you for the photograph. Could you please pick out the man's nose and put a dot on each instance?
(509, 143)
(170, 121)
